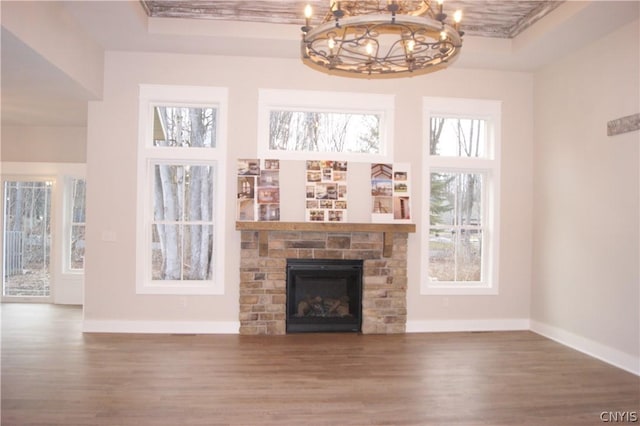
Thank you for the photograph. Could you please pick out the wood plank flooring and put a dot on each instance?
(52, 374)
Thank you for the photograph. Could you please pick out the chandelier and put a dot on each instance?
(381, 38)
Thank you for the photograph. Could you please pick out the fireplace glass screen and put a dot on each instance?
(324, 295)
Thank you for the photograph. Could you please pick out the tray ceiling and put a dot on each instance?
(485, 18)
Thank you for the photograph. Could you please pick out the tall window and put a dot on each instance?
(461, 154)
(303, 125)
(75, 194)
(181, 188)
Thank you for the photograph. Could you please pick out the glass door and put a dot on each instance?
(26, 240)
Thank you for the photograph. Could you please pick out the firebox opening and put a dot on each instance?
(324, 295)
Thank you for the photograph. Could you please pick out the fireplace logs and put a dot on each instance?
(327, 307)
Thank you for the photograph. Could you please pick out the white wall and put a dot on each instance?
(586, 279)
(44, 144)
(110, 298)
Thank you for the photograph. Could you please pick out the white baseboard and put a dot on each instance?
(164, 327)
(431, 326)
(597, 350)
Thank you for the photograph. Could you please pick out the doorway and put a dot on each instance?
(26, 240)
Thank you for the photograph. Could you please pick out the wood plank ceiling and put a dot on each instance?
(484, 18)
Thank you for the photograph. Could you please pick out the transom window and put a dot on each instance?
(458, 137)
(304, 125)
(461, 207)
(184, 127)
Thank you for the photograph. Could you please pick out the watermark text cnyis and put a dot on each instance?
(620, 416)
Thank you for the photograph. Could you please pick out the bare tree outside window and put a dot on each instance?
(184, 127)
(324, 132)
(458, 137)
(77, 245)
(455, 239)
(27, 238)
(182, 226)
(456, 222)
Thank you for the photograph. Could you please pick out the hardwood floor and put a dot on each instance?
(52, 374)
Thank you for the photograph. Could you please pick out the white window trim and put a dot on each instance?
(489, 167)
(321, 101)
(148, 156)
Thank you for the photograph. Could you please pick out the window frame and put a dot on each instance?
(151, 96)
(68, 223)
(488, 167)
(320, 101)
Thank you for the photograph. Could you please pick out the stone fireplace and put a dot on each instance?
(266, 246)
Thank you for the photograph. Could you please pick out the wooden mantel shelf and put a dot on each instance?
(387, 229)
(325, 226)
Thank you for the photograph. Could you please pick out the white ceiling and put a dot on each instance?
(34, 91)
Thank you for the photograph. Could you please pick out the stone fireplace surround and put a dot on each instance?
(266, 246)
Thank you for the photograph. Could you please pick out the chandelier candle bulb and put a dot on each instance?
(457, 17)
(411, 45)
(308, 12)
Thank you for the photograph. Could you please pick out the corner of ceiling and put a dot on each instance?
(50, 29)
(570, 26)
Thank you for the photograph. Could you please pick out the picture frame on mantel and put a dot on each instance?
(258, 190)
(326, 191)
(390, 193)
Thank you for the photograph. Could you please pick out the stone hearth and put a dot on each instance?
(265, 248)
